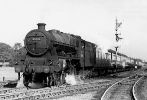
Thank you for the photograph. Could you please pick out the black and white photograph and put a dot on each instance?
(73, 50)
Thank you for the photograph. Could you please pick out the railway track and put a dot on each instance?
(54, 92)
(140, 89)
(121, 90)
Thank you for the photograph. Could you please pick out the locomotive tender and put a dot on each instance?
(50, 55)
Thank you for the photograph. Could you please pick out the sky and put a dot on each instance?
(93, 20)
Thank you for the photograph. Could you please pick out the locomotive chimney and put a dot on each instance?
(41, 26)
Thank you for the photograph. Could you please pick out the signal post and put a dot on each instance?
(117, 38)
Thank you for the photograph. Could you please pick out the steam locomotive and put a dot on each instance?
(49, 55)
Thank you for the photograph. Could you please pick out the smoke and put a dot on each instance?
(70, 79)
(73, 79)
(20, 83)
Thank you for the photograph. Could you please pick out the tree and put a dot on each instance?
(17, 46)
(16, 49)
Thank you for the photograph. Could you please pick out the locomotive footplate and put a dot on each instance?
(38, 69)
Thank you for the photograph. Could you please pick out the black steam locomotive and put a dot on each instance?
(50, 55)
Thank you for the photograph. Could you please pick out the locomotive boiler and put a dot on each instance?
(49, 55)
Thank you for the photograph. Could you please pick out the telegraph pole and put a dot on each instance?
(117, 25)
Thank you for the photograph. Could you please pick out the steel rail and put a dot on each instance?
(122, 86)
(136, 86)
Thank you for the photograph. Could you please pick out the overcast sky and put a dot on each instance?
(93, 20)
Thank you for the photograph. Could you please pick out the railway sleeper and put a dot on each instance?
(62, 93)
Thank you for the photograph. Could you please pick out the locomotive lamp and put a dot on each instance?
(46, 70)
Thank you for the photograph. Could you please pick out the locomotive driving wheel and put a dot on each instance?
(71, 70)
(56, 79)
(53, 79)
(62, 78)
